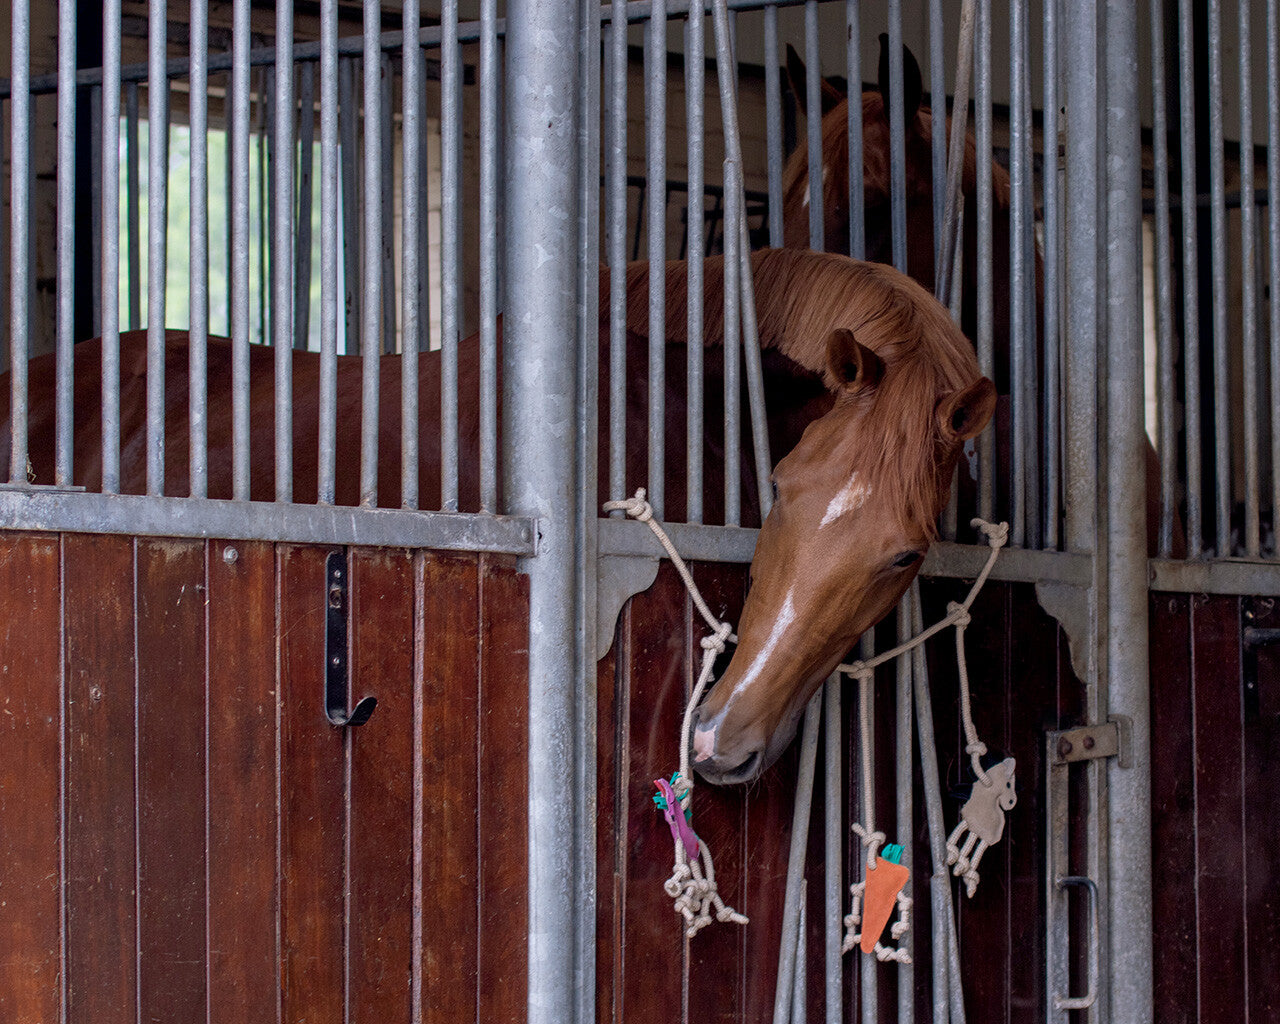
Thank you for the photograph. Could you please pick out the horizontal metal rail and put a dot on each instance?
(56, 511)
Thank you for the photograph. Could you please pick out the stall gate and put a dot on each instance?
(202, 819)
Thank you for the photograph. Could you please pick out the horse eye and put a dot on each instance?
(906, 558)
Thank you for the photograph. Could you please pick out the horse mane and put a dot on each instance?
(801, 297)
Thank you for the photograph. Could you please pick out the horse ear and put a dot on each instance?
(912, 82)
(851, 364)
(831, 96)
(964, 414)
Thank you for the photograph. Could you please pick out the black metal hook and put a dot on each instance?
(335, 647)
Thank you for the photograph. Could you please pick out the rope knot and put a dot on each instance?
(958, 614)
(976, 749)
(715, 641)
(997, 534)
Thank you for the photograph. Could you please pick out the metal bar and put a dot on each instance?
(897, 141)
(1019, 217)
(813, 103)
(795, 862)
(938, 108)
(951, 247)
(388, 210)
(240, 251)
(329, 115)
(616, 216)
(732, 362)
(1218, 262)
(198, 258)
(1052, 256)
(65, 358)
(228, 116)
(539, 380)
(986, 311)
(371, 263)
(266, 137)
(157, 249)
(773, 123)
(20, 237)
(904, 823)
(424, 241)
(133, 203)
(348, 129)
(1273, 243)
(95, 197)
(306, 160)
(450, 137)
(110, 241)
(412, 268)
(282, 269)
(868, 987)
(655, 54)
(695, 95)
(1190, 273)
(834, 832)
(489, 255)
(853, 64)
(1128, 823)
(1167, 428)
(1249, 296)
(1028, 323)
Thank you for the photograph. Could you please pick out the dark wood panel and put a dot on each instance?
(504, 791)
(1219, 810)
(450, 935)
(98, 577)
(610, 854)
(1172, 811)
(171, 779)
(30, 787)
(244, 980)
(382, 778)
(312, 774)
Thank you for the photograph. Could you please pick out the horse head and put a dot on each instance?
(855, 510)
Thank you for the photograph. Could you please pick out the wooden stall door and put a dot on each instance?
(187, 838)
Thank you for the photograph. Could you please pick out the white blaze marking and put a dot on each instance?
(852, 498)
(785, 617)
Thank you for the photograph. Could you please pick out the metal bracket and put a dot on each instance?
(336, 666)
(620, 577)
(1110, 739)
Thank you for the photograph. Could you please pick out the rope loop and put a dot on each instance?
(958, 614)
(997, 534)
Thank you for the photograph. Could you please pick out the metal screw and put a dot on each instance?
(335, 597)
(229, 555)
(1064, 747)
(95, 693)
(1089, 743)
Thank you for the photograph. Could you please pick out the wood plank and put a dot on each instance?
(610, 851)
(1172, 810)
(98, 574)
(31, 976)
(450, 931)
(312, 783)
(171, 779)
(382, 775)
(244, 901)
(504, 790)
(1219, 806)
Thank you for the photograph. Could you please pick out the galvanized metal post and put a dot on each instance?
(1127, 689)
(539, 472)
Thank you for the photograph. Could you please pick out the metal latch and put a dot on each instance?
(336, 668)
(1109, 739)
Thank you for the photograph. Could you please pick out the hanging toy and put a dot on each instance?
(874, 900)
(982, 817)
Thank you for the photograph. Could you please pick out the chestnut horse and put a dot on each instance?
(872, 391)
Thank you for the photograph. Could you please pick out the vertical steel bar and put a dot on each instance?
(228, 116)
(695, 94)
(1273, 245)
(411, 267)
(198, 259)
(306, 148)
(732, 360)
(133, 203)
(95, 189)
(282, 270)
(450, 134)
(904, 823)
(489, 255)
(240, 250)
(110, 241)
(1218, 263)
(1190, 275)
(328, 412)
(371, 250)
(157, 225)
(539, 378)
(1129, 950)
(868, 975)
(1164, 286)
(897, 141)
(813, 104)
(348, 131)
(617, 242)
(1249, 297)
(65, 358)
(834, 833)
(388, 209)
(20, 236)
(1052, 258)
(853, 64)
(1019, 224)
(773, 123)
(655, 52)
(938, 107)
(986, 312)
(424, 246)
(1028, 324)
(267, 202)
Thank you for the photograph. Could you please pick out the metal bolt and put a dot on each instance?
(335, 597)
(229, 555)
(1064, 747)
(1089, 742)
(95, 693)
